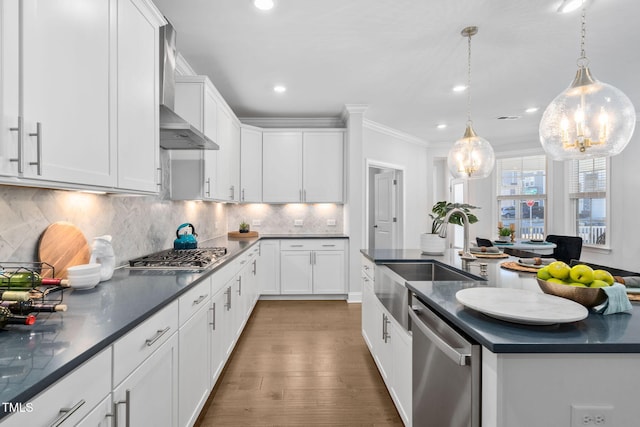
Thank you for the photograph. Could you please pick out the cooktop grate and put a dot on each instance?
(180, 259)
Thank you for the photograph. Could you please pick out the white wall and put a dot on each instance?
(393, 148)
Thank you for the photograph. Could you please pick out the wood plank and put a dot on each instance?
(301, 363)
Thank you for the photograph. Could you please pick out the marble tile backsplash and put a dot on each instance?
(281, 219)
(139, 225)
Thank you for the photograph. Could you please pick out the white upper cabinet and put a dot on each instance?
(79, 82)
(228, 171)
(250, 165)
(323, 166)
(137, 101)
(65, 91)
(303, 166)
(282, 167)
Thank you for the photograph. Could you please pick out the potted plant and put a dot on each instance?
(431, 243)
(504, 235)
(244, 227)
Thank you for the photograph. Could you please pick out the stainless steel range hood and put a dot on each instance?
(175, 132)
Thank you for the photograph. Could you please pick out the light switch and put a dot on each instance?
(298, 222)
(256, 222)
(331, 222)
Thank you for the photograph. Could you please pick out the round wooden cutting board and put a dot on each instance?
(63, 245)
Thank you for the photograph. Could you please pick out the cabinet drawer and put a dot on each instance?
(312, 244)
(71, 398)
(368, 268)
(194, 299)
(132, 349)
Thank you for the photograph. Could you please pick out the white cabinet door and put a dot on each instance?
(194, 358)
(323, 167)
(382, 344)
(328, 272)
(282, 167)
(228, 171)
(150, 394)
(69, 101)
(369, 312)
(137, 100)
(250, 165)
(9, 78)
(295, 272)
(219, 334)
(402, 374)
(269, 267)
(100, 416)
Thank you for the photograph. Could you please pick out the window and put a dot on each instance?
(588, 197)
(522, 194)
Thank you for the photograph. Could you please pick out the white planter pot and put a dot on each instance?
(432, 244)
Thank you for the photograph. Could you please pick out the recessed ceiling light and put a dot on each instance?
(441, 126)
(531, 110)
(460, 88)
(569, 5)
(279, 89)
(263, 4)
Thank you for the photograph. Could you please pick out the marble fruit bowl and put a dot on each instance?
(589, 297)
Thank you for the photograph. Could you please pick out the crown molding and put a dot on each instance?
(294, 122)
(403, 136)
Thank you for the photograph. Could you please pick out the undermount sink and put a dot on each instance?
(430, 272)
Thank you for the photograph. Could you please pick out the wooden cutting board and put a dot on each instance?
(239, 235)
(63, 245)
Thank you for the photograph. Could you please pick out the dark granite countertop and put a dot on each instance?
(614, 333)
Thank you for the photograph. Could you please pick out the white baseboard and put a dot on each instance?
(354, 297)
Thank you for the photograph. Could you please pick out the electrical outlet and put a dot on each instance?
(589, 416)
(331, 222)
(298, 222)
(256, 222)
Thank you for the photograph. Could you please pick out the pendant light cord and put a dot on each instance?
(583, 61)
(469, 80)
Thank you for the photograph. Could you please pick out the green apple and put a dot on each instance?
(598, 284)
(544, 274)
(581, 273)
(603, 275)
(577, 285)
(556, 280)
(559, 270)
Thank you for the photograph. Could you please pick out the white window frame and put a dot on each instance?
(573, 201)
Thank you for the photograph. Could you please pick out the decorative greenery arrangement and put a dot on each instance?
(244, 227)
(440, 210)
(505, 232)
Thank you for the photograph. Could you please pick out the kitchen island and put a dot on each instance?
(536, 375)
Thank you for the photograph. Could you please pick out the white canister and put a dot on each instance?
(102, 253)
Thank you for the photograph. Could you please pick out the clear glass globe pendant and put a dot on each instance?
(471, 157)
(589, 119)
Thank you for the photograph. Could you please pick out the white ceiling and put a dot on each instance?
(402, 58)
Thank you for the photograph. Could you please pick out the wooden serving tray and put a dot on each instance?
(511, 265)
(485, 255)
(239, 235)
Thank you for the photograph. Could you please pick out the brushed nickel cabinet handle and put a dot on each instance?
(208, 192)
(242, 195)
(20, 149)
(38, 135)
(65, 413)
(159, 333)
(200, 299)
(213, 322)
(127, 403)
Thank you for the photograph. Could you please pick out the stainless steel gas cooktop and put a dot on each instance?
(179, 259)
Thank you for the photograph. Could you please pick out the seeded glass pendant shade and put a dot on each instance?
(589, 119)
(471, 157)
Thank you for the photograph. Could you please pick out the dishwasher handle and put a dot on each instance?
(462, 359)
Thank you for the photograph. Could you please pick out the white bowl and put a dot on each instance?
(83, 270)
(85, 282)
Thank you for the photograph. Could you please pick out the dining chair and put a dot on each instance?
(567, 247)
(483, 242)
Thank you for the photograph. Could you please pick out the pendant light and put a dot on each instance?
(589, 119)
(471, 157)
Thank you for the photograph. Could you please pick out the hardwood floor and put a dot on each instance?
(301, 363)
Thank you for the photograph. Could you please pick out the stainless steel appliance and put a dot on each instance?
(446, 372)
(180, 259)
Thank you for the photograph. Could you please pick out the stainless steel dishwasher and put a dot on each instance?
(446, 372)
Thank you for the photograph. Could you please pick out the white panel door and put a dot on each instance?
(250, 165)
(137, 102)
(384, 210)
(295, 272)
(66, 84)
(323, 167)
(282, 167)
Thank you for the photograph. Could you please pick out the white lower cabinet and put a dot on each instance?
(269, 267)
(312, 266)
(194, 359)
(71, 399)
(390, 346)
(101, 416)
